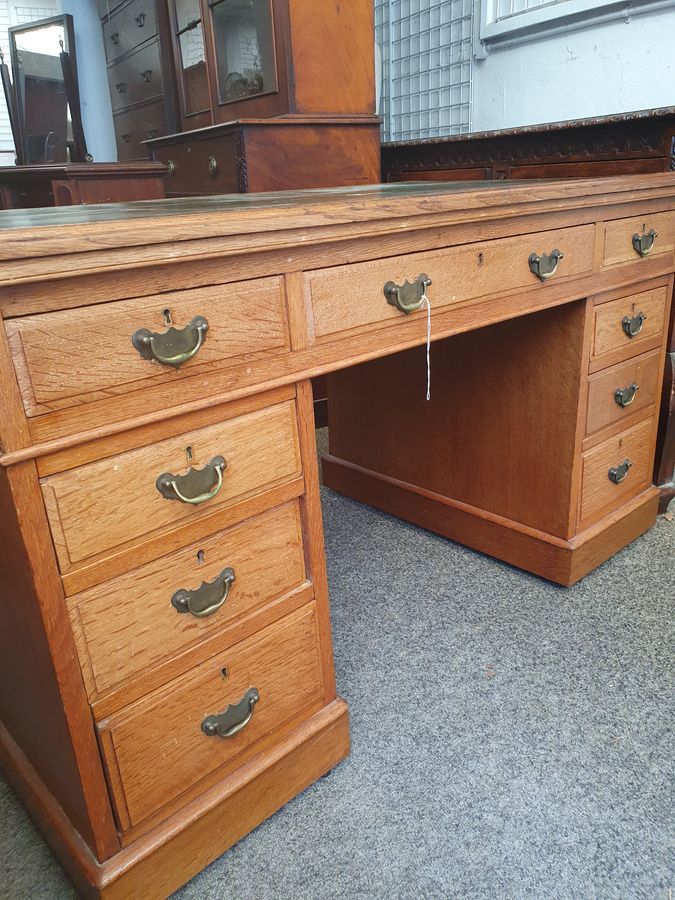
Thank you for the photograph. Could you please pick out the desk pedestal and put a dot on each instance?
(519, 451)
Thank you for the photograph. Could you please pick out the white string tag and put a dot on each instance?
(425, 299)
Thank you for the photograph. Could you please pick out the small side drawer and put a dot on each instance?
(631, 453)
(202, 166)
(131, 624)
(99, 506)
(623, 390)
(643, 313)
(68, 357)
(157, 749)
(619, 246)
(352, 296)
(128, 27)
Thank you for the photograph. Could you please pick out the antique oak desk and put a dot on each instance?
(165, 653)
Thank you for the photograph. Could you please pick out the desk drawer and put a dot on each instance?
(637, 382)
(157, 750)
(115, 501)
(352, 297)
(642, 313)
(72, 356)
(618, 244)
(131, 624)
(202, 166)
(599, 493)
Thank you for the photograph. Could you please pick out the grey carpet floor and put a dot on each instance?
(511, 739)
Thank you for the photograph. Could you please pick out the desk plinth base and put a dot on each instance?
(555, 559)
(168, 856)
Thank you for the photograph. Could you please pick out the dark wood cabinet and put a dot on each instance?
(274, 95)
(630, 143)
(69, 184)
(140, 73)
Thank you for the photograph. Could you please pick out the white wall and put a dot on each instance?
(601, 69)
(91, 73)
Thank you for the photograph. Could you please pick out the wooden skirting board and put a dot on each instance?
(564, 562)
(158, 865)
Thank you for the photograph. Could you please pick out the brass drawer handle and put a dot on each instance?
(625, 396)
(633, 325)
(544, 266)
(174, 346)
(409, 296)
(206, 599)
(140, 20)
(115, 38)
(644, 243)
(617, 473)
(196, 486)
(121, 87)
(147, 76)
(235, 718)
(170, 167)
(213, 166)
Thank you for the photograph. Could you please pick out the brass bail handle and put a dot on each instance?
(196, 486)
(546, 265)
(207, 598)
(643, 244)
(174, 346)
(617, 473)
(234, 719)
(632, 325)
(625, 396)
(409, 296)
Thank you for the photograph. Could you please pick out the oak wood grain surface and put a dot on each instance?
(157, 748)
(103, 504)
(603, 409)
(618, 241)
(74, 356)
(128, 624)
(351, 296)
(600, 495)
(611, 343)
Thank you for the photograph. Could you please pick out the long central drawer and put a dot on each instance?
(352, 296)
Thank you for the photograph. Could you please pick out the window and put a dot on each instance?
(513, 21)
(426, 48)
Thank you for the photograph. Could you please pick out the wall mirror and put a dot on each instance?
(45, 83)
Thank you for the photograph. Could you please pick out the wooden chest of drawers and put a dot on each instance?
(161, 527)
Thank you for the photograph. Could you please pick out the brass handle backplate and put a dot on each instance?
(644, 243)
(140, 20)
(170, 167)
(235, 718)
(409, 296)
(544, 266)
(206, 599)
(121, 87)
(632, 325)
(625, 396)
(115, 38)
(174, 346)
(213, 166)
(147, 76)
(196, 486)
(617, 473)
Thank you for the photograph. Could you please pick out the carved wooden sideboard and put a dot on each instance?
(166, 668)
(623, 144)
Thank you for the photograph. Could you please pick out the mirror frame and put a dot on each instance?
(69, 69)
